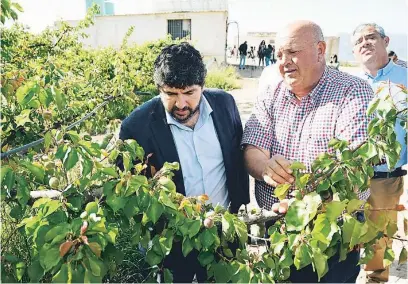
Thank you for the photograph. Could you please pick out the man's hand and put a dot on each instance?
(281, 207)
(277, 171)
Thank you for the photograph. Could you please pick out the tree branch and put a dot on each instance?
(261, 217)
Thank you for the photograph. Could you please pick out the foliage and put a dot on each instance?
(222, 77)
(8, 10)
(79, 235)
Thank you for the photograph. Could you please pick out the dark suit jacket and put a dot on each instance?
(147, 124)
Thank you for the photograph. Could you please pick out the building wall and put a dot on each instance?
(207, 30)
(189, 5)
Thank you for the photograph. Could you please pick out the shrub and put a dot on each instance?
(223, 77)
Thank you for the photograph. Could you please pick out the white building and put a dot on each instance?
(202, 22)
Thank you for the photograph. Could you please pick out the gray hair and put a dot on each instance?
(378, 28)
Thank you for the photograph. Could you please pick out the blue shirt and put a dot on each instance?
(397, 75)
(201, 157)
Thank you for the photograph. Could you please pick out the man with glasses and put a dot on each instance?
(387, 185)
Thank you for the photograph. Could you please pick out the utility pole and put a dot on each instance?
(232, 22)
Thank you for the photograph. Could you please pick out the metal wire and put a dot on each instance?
(39, 141)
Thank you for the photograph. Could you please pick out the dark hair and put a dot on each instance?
(179, 66)
(391, 53)
(335, 56)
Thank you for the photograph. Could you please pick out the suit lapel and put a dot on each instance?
(221, 127)
(164, 139)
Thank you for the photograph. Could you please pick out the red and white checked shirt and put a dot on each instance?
(300, 130)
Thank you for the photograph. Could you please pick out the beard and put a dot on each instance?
(190, 114)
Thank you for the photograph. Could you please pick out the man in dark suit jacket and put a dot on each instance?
(199, 128)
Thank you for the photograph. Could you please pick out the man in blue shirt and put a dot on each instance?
(200, 129)
(370, 50)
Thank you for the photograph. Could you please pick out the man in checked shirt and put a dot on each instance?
(295, 116)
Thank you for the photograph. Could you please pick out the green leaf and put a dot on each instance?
(37, 171)
(389, 257)
(62, 229)
(302, 181)
(320, 263)
(35, 271)
(97, 266)
(131, 208)
(242, 275)
(59, 98)
(227, 226)
(45, 97)
(205, 258)
(164, 198)
(116, 202)
(26, 92)
(351, 230)
(87, 166)
(333, 142)
(367, 151)
(154, 211)
(62, 275)
(241, 231)
(187, 246)
(20, 270)
(373, 106)
(89, 277)
(71, 159)
(134, 149)
(194, 228)
(354, 205)
(61, 151)
(49, 257)
(207, 238)
(47, 140)
(50, 207)
(168, 276)
(166, 242)
(153, 258)
(110, 171)
(286, 260)
(135, 182)
(3, 172)
(297, 216)
(222, 272)
(23, 117)
(334, 209)
(10, 178)
(297, 166)
(324, 229)
(277, 242)
(403, 256)
(92, 207)
(323, 186)
(281, 191)
(302, 256)
(312, 200)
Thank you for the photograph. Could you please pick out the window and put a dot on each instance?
(179, 28)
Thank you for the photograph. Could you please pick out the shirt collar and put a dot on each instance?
(205, 112)
(383, 71)
(313, 94)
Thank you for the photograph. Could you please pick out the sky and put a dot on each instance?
(336, 17)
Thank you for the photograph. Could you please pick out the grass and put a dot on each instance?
(223, 77)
